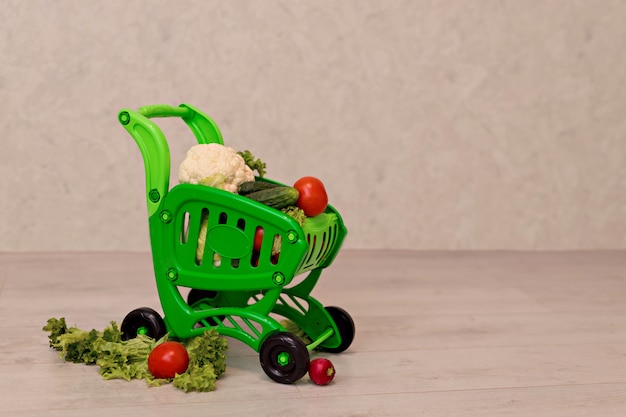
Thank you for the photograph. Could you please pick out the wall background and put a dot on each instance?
(435, 125)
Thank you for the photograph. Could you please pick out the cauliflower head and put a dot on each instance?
(214, 165)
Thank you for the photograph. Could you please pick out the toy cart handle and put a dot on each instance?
(153, 145)
(203, 127)
(163, 110)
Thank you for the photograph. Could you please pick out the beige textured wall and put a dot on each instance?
(457, 125)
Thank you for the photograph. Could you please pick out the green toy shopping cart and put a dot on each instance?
(238, 291)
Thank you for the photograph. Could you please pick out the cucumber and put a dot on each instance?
(252, 186)
(277, 197)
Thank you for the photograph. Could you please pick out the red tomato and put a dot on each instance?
(258, 239)
(321, 371)
(313, 198)
(168, 359)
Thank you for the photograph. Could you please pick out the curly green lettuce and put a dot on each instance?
(296, 212)
(128, 359)
(293, 328)
(253, 164)
(207, 361)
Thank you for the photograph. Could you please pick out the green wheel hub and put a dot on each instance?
(283, 359)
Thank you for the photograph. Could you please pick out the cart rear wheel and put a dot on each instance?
(196, 295)
(143, 320)
(284, 358)
(345, 324)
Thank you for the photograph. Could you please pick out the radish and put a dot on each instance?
(321, 371)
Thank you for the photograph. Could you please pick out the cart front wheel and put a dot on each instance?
(143, 320)
(345, 324)
(284, 358)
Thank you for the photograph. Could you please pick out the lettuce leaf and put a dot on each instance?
(255, 164)
(207, 361)
(129, 359)
(296, 212)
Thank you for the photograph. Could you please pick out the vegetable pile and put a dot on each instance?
(220, 166)
(206, 359)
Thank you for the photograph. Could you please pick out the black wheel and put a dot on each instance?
(345, 324)
(196, 295)
(143, 320)
(284, 358)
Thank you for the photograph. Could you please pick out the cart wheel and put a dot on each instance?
(284, 358)
(196, 295)
(143, 320)
(345, 324)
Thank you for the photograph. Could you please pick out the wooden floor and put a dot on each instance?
(438, 334)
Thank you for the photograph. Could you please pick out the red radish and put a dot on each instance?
(321, 371)
(168, 359)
